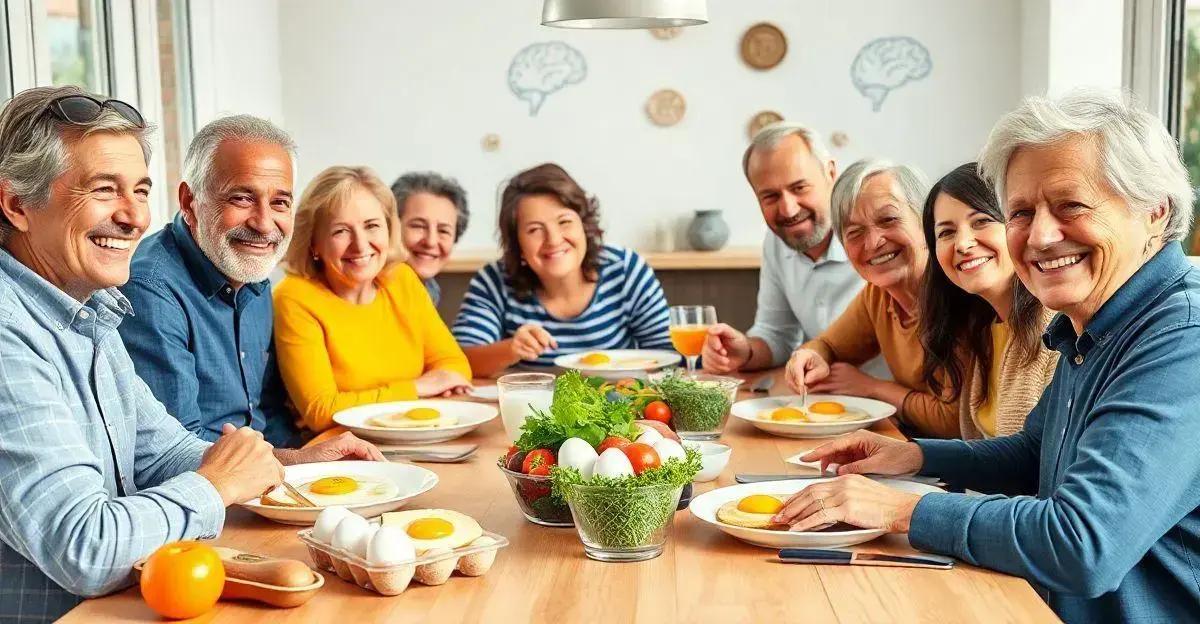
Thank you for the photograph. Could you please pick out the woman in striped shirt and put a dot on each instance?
(557, 287)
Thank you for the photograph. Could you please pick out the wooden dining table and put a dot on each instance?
(703, 575)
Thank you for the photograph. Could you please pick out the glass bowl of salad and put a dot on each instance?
(623, 524)
(538, 503)
(699, 403)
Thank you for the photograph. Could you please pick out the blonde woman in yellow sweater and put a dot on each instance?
(353, 323)
(980, 327)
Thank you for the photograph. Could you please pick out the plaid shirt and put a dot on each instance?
(94, 474)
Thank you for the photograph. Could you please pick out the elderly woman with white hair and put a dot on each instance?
(1104, 512)
(876, 215)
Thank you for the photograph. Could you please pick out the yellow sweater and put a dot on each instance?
(334, 354)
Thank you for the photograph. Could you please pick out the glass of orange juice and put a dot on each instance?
(689, 327)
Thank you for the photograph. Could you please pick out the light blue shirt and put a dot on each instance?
(94, 474)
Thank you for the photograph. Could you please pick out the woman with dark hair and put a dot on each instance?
(557, 287)
(981, 328)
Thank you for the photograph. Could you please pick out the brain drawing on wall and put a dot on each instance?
(544, 68)
(888, 63)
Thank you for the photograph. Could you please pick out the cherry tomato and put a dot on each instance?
(658, 410)
(612, 442)
(642, 456)
(538, 462)
(183, 579)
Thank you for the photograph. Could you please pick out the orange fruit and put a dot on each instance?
(183, 580)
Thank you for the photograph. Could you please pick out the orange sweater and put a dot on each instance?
(334, 354)
(870, 326)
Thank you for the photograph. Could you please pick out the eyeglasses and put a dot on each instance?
(83, 109)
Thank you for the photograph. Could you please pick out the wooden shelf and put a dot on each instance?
(733, 258)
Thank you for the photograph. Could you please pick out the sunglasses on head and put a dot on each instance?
(83, 109)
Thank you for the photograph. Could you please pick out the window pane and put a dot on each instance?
(174, 70)
(73, 29)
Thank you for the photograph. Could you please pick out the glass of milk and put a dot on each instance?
(520, 394)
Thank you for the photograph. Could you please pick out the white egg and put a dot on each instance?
(614, 464)
(578, 454)
(349, 532)
(649, 436)
(327, 521)
(667, 448)
(389, 546)
(360, 549)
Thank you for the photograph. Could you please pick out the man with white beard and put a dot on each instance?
(201, 333)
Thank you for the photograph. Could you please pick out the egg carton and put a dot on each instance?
(428, 569)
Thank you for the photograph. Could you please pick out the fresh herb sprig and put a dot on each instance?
(674, 472)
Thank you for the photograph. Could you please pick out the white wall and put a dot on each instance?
(1071, 43)
(406, 84)
(236, 58)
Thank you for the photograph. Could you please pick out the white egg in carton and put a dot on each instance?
(433, 567)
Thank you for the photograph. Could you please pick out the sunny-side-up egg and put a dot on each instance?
(578, 454)
(336, 490)
(390, 545)
(613, 464)
(595, 359)
(753, 512)
(415, 418)
(349, 532)
(327, 521)
(818, 412)
(434, 528)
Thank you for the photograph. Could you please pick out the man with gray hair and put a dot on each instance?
(94, 473)
(201, 338)
(805, 281)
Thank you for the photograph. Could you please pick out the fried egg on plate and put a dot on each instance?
(335, 490)
(415, 418)
(752, 512)
(818, 412)
(434, 528)
(604, 360)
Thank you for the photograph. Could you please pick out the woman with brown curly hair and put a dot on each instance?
(557, 287)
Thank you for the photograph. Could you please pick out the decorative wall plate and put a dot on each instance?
(762, 120)
(666, 107)
(763, 46)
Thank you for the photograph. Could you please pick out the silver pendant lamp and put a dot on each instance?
(624, 13)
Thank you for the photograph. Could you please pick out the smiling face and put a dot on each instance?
(1073, 239)
(84, 237)
(883, 235)
(244, 222)
(352, 240)
(552, 239)
(428, 227)
(793, 189)
(971, 248)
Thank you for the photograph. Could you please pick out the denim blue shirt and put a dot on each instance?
(202, 347)
(94, 474)
(1104, 515)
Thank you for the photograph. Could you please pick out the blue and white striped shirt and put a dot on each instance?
(627, 311)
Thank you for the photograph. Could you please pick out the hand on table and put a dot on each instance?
(241, 465)
(726, 350)
(443, 383)
(344, 446)
(532, 340)
(867, 452)
(853, 499)
(845, 379)
(805, 368)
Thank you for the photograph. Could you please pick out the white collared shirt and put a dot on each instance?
(799, 297)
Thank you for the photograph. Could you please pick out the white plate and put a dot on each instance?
(485, 393)
(749, 410)
(705, 508)
(412, 481)
(655, 360)
(470, 415)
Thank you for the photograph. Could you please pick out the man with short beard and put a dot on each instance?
(805, 281)
(201, 337)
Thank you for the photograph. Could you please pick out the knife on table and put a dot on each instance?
(760, 478)
(830, 556)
